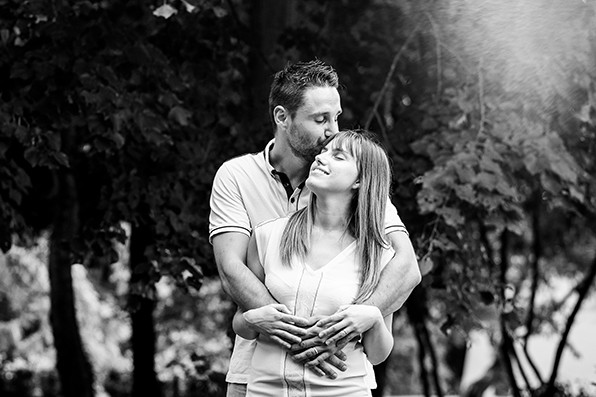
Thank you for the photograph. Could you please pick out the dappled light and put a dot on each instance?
(116, 116)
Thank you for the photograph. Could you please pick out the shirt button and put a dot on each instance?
(292, 199)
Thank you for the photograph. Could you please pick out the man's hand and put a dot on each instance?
(320, 359)
(349, 322)
(277, 322)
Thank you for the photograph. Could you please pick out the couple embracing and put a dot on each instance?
(309, 246)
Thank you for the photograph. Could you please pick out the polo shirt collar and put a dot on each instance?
(283, 178)
(266, 154)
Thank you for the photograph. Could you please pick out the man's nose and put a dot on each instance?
(332, 129)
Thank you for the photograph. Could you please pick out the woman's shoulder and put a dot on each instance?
(272, 225)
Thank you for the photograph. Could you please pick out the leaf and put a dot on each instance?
(487, 180)
(189, 7)
(165, 11)
(465, 193)
(180, 115)
(429, 123)
(32, 156)
(20, 70)
(426, 265)
(219, 12)
(452, 216)
(15, 196)
(61, 159)
(119, 140)
(4, 34)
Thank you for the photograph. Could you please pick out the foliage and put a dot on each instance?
(488, 111)
(192, 350)
(120, 107)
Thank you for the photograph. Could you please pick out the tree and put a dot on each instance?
(481, 137)
(111, 128)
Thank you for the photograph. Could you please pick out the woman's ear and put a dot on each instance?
(356, 184)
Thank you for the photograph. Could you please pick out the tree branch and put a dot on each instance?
(582, 289)
(389, 77)
(537, 251)
(421, 357)
(438, 53)
(487, 247)
(388, 144)
(520, 368)
(531, 362)
(481, 96)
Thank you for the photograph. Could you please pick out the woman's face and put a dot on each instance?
(334, 170)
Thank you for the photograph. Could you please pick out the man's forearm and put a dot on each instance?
(238, 280)
(398, 278)
(244, 287)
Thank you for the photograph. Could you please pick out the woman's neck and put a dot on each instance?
(332, 214)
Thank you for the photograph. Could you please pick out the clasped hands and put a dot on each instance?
(317, 342)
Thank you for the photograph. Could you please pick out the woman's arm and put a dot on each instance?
(248, 324)
(378, 340)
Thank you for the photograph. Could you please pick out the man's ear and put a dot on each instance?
(280, 115)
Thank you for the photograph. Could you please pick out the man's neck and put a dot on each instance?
(283, 160)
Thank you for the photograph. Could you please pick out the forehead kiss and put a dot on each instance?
(342, 143)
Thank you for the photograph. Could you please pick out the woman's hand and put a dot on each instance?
(349, 322)
(277, 322)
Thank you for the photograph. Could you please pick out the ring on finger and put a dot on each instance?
(314, 349)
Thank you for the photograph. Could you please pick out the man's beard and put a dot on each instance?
(303, 148)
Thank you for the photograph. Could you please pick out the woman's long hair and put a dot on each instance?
(367, 215)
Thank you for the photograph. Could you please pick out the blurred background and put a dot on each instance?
(116, 114)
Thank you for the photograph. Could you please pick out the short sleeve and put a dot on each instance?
(228, 212)
(393, 222)
(268, 238)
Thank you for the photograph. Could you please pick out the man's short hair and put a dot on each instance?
(290, 83)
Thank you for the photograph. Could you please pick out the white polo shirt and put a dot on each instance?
(247, 191)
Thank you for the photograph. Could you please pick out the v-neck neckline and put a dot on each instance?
(331, 261)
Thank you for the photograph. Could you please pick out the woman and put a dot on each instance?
(321, 258)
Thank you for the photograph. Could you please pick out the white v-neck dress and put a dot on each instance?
(307, 292)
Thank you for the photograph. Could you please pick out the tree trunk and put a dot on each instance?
(506, 343)
(143, 339)
(417, 312)
(434, 371)
(381, 377)
(74, 370)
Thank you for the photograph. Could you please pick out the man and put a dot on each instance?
(304, 105)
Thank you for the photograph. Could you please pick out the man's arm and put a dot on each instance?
(397, 281)
(237, 280)
(249, 292)
(398, 278)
